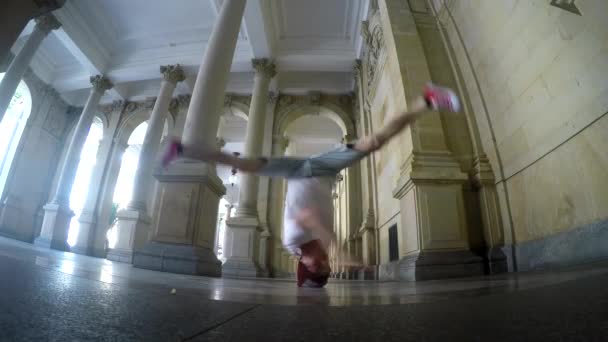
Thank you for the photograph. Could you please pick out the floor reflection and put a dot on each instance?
(284, 291)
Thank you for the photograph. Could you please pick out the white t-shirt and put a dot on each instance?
(307, 193)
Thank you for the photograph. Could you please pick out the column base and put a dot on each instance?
(175, 258)
(239, 247)
(10, 219)
(433, 265)
(497, 261)
(368, 273)
(87, 222)
(55, 227)
(133, 231)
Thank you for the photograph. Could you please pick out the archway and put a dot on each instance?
(123, 191)
(80, 188)
(232, 130)
(11, 128)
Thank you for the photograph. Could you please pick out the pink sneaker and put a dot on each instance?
(171, 152)
(441, 98)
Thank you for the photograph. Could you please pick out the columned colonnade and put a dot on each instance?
(170, 223)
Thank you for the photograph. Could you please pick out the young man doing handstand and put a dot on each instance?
(308, 218)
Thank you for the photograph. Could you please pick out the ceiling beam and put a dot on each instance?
(257, 31)
(88, 50)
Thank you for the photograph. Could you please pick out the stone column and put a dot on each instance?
(88, 218)
(275, 211)
(133, 223)
(185, 229)
(241, 229)
(21, 62)
(58, 214)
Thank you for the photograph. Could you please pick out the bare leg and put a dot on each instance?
(435, 98)
(397, 124)
(203, 154)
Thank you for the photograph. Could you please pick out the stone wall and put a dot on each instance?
(536, 78)
(36, 160)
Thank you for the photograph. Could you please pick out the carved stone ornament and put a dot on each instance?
(286, 100)
(149, 103)
(220, 142)
(172, 73)
(184, 100)
(280, 140)
(131, 107)
(272, 97)
(373, 36)
(100, 83)
(357, 69)
(118, 106)
(227, 100)
(264, 67)
(47, 23)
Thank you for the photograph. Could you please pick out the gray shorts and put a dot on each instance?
(326, 164)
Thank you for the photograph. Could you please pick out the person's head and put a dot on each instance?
(313, 267)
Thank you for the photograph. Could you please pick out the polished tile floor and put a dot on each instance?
(49, 295)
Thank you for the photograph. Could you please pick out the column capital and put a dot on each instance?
(264, 66)
(283, 141)
(101, 83)
(272, 97)
(220, 142)
(47, 23)
(172, 73)
(358, 66)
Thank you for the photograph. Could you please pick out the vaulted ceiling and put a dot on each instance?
(314, 43)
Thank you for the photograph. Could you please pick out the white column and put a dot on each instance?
(21, 62)
(265, 71)
(185, 230)
(58, 214)
(133, 223)
(240, 247)
(207, 100)
(172, 74)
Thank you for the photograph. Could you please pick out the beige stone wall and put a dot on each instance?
(36, 159)
(536, 77)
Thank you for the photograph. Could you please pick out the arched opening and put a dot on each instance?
(11, 128)
(123, 191)
(80, 189)
(314, 134)
(232, 129)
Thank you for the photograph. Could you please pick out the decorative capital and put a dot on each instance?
(174, 106)
(281, 140)
(285, 100)
(220, 142)
(264, 67)
(272, 97)
(101, 83)
(228, 100)
(358, 67)
(184, 100)
(47, 23)
(315, 98)
(365, 30)
(150, 102)
(172, 73)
